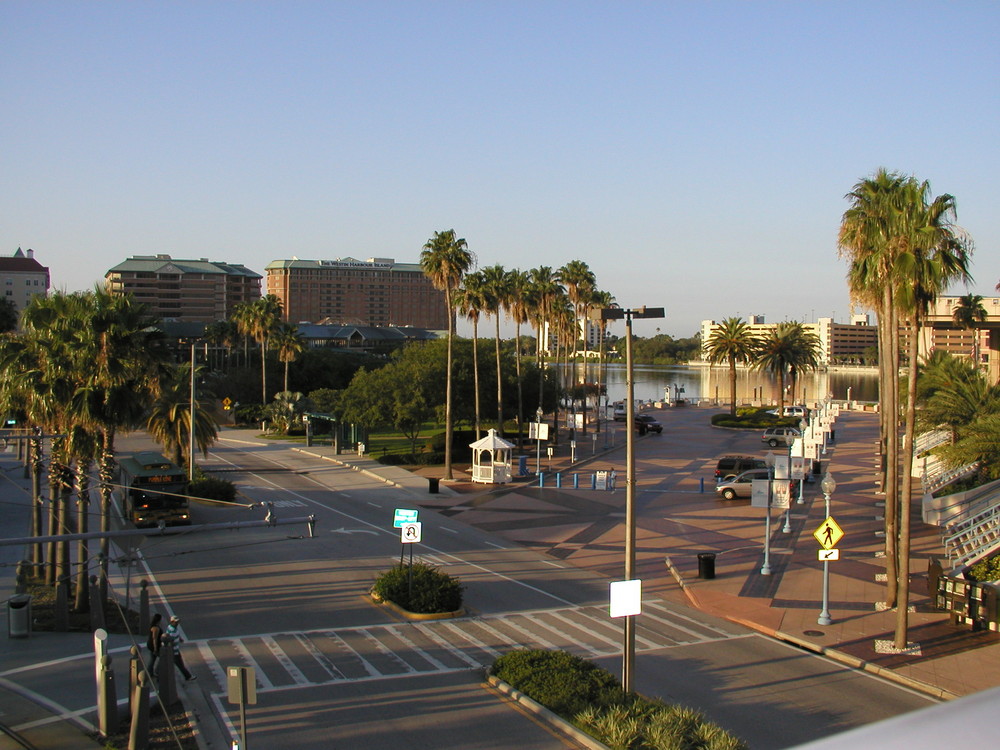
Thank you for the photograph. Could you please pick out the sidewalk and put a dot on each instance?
(943, 660)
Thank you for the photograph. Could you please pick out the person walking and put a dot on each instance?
(175, 643)
(154, 642)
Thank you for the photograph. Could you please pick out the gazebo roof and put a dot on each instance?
(491, 442)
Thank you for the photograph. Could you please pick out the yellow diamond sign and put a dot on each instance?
(828, 533)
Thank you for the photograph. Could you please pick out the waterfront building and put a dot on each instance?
(352, 292)
(941, 332)
(838, 342)
(23, 277)
(192, 291)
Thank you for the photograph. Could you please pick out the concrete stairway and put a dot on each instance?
(975, 534)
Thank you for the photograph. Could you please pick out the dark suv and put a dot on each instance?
(730, 466)
(645, 423)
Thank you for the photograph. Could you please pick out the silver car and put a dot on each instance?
(741, 485)
(775, 436)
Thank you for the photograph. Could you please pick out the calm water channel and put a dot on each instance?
(653, 381)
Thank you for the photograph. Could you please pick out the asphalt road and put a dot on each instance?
(334, 670)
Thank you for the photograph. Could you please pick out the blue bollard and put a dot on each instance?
(541, 479)
(576, 481)
(558, 479)
(593, 481)
(702, 485)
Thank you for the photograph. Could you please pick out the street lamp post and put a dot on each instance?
(191, 420)
(617, 313)
(803, 424)
(828, 485)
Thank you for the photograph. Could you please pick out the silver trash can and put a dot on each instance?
(19, 616)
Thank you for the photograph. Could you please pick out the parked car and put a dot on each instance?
(741, 485)
(645, 423)
(729, 466)
(620, 412)
(792, 411)
(775, 436)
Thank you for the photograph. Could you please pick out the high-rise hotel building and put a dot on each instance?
(347, 291)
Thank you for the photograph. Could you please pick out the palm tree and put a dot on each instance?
(904, 251)
(969, 312)
(805, 353)
(290, 344)
(169, 421)
(518, 306)
(496, 287)
(260, 321)
(445, 259)
(776, 351)
(733, 341)
(579, 281)
(868, 239)
(471, 301)
(600, 300)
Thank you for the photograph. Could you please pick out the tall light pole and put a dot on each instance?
(617, 313)
(828, 485)
(191, 419)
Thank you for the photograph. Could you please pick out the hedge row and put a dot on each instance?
(592, 699)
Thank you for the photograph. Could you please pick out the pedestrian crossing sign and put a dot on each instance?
(828, 533)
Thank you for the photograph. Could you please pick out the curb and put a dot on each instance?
(545, 714)
(424, 616)
(831, 653)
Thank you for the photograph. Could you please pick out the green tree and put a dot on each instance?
(471, 302)
(733, 341)
(169, 420)
(8, 315)
(260, 322)
(289, 344)
(497, 291)
(580, 282)
(445, 259)
(777, 351)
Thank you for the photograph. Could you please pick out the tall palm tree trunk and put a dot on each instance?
(903, 566)
(37, 505)
(82, 601)
(499, 380)
(475, 373)
(891, 417)
(520, 390)
(106, 476)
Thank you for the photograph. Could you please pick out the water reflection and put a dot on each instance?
(658, 382)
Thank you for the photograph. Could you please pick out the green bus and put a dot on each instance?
(154, 490)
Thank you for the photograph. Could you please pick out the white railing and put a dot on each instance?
(975, 537)
(928, 440)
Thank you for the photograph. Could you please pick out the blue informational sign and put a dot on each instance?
(402, 516)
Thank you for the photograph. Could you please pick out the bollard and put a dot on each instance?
(576, 481)
(107, 699)
(138, 733)
(541, 479)
(593, 481)
(702, 490)
(166, 675)
(135, 666)
(558, 479)
(143, 605)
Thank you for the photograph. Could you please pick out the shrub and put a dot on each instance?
(432, 590)
(560, 681)
(213, 488)
(593, 700)
(985, 570)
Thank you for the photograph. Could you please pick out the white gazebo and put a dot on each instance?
(491, 459)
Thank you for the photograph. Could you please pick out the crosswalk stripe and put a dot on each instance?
(439, 646)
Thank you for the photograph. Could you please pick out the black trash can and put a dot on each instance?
(706, 565)
(433, 485)
(19, 616)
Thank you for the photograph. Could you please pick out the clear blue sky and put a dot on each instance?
(694, 154)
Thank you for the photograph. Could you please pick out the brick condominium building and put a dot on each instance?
(193, 291)
(347, 291)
